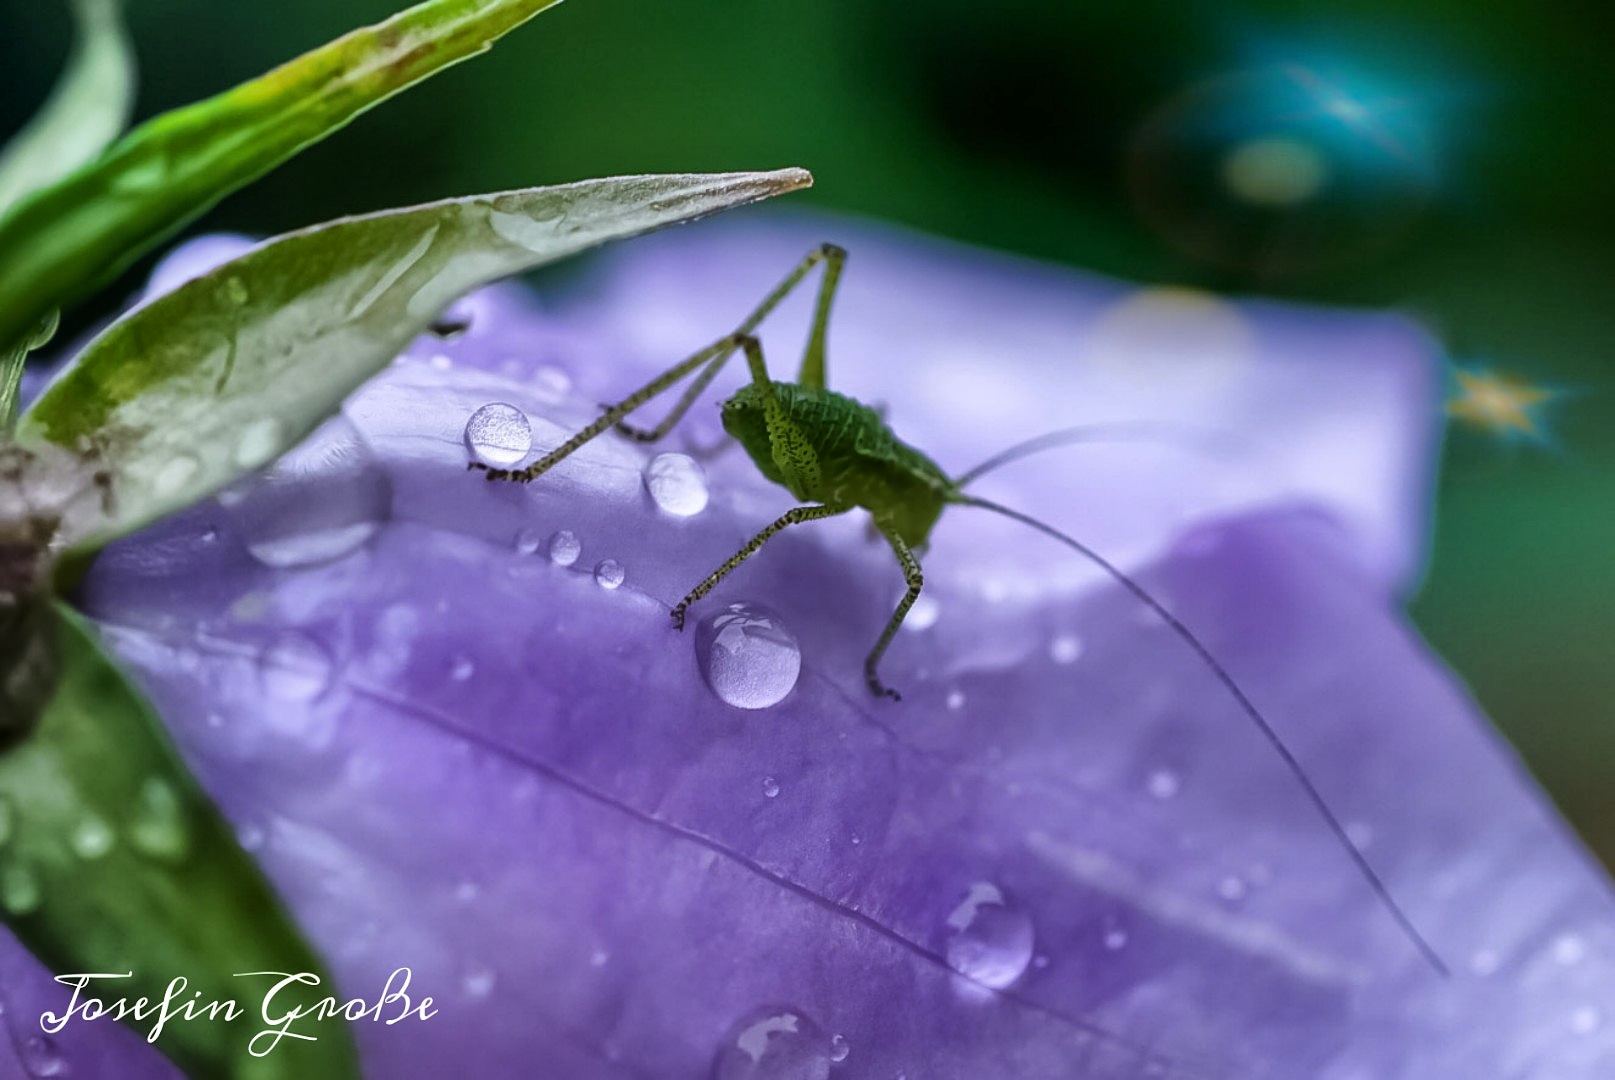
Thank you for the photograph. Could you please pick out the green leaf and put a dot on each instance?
(112, 860)
(87, 110)
(59, 244)
(220, 376)
(12, 361)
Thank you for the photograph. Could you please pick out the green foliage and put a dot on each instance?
(62, 242)
(225, 373)
(115, 861)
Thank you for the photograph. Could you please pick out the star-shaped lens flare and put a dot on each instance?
(1502, 405)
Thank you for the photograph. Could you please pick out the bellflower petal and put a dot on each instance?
(453, 723)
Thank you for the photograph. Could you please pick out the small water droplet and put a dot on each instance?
(839, 1048)
(19, 889)
(462, 669)
(258, 442)
(552, 382)
(1585, 1020)
(92, 838)
(1163, 783)
(924, 614)
(770, 787)
(609, 574)
(956, 699)
(1231, 888)
(157, 825)
(1065, 649)
(990, 938)
(440, 362)
(598, 958)
(676, 484)
(479, 983)
(235, 291)
(251, 837)
(1569, 949)
(174, 474)
(43, 1058)
(748, 656)
(1116, 940)
(320, 501)
(295, 668)
(774, 1044)
(565, 548)
(498, 434)
(528, 541)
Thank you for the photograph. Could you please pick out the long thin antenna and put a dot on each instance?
(1141, 431)
(1245, 704)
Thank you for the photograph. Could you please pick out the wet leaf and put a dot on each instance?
(63, 242)
(223, 374)
(112, 860)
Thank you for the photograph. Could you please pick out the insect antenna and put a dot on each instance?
(1222, 443)
(1246, 705)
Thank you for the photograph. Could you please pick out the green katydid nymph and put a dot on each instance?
(836, 455)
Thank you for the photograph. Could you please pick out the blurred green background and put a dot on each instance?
(1467, 148)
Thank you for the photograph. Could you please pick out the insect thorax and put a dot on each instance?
(849, 456)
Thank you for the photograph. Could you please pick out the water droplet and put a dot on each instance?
(1585, 1020)
(1231, 888)
(609, 574)
(774, 1044)
(528, 541)
(770, 787)
(92, 838)
(250, 837)
(924, 614)
(1116, 940)
(175, 473)
(295, 668)
(498, 434)
(478, 983)
(440, 361)
(748, 656)
(598, 958)
(839, 1048)
(1569, 949)
(235, 291)
(989, 938)
(677, 484)
(157, 826)
(565, 548)
(1163, 783)
(956, 699)
(42, 1058)
(320, 501)
(552, 382)
(19, 889)
(462, 669)
(1065, 649)
(259, 441)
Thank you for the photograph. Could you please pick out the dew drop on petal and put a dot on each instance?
(609, 574)
(91, 838)
(552, 382)
(1065, 649)
(924, 614)
(42, 1058)
(462, 669)
(839, 1048)
(1116, 940)
(748, 656)
(770, 787)
(676, 484)
(498, 434)
(528, 541)
(320, 501)
(956, 699)
(295, 668)
(157, 825)
(1163, 783)
(774, 1044)
(565, 548)
(990, 938)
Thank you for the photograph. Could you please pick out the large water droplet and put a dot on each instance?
(295, 668)
(989, 938)
(319, 502)
(498, 434)
(774, 1044)
(565, 548)
(92, 838)
(609, 574)
(19, 889)
(43, 1058)
(748, 656)
(157, 826)
(677, 484)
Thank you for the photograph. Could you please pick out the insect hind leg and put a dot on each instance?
(916, 581)
(790, 517)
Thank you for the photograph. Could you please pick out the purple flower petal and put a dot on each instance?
(456, 752)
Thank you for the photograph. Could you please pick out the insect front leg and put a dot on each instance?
(790, 517)
(916, 581)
